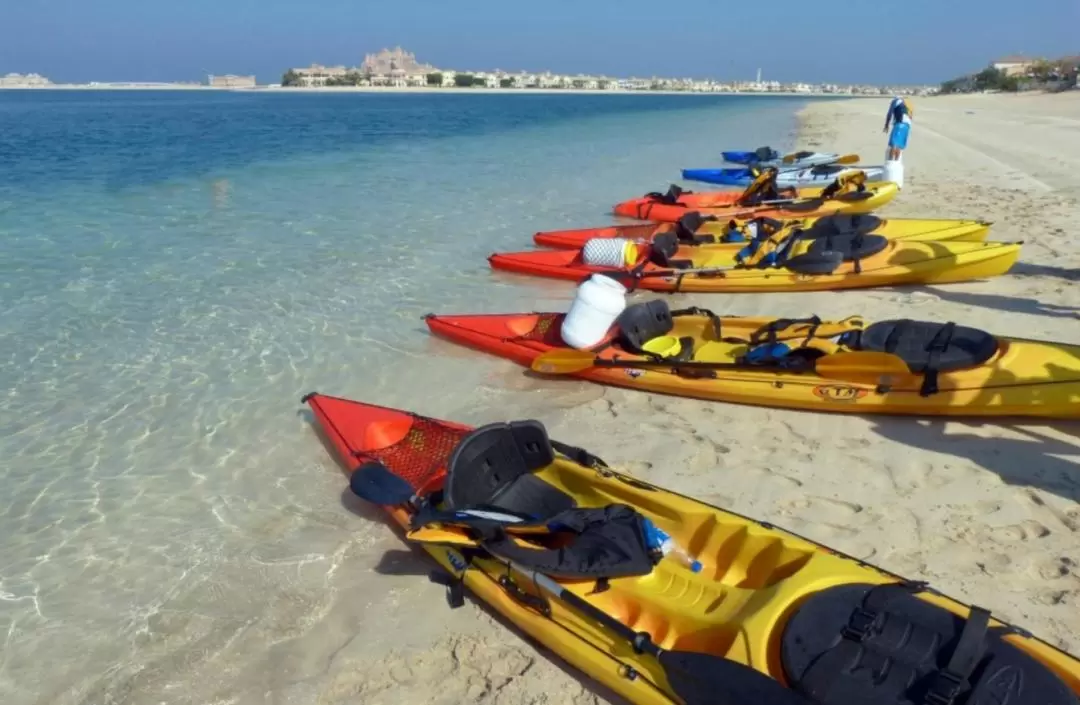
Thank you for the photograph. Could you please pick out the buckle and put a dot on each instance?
(861, 625)
(945, 688)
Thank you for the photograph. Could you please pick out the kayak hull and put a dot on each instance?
(1025, 378)
(724, 204)
(754, 581)
(788, 178)
(941, 229)
(902, 262)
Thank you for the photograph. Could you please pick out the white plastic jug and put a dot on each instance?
(609, 252)
(894, 171)
(598, 303)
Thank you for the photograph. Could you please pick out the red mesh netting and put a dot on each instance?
(420, 456)
(546, 329)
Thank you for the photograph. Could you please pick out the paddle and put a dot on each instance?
(374, 482)
(843, 159)
(843, 366)
(697, 678)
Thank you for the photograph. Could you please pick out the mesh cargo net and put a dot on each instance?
(421, 456)
(546, 330)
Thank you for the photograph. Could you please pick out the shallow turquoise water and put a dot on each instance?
(178, 269)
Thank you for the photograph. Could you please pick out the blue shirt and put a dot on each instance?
(899, 111)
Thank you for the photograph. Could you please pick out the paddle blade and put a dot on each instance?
(444, 536)
(704, 679)
(848, 159)
(861, 365)
(563, 362)
(375, 483)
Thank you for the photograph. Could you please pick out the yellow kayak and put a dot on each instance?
(788, 261)
(665, 599)
(934, 369)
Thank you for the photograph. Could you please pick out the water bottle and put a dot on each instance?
(658, 540)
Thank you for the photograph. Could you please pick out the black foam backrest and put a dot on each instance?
(640, 323)
(489, 459)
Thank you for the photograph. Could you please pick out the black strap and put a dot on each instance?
(696, 311)
(939, 344)
(578, 455)
(455, 587)
(770, 331)
(864, 623)
(952, 681)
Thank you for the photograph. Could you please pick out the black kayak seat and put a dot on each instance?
(851, 245)
(687, 226)
(827, 252)
(662, 251)
(639, 323)
(815, 263)
(492, 469)
(842, 223)
(925, 345)
(670, 197)
(492, 466)
(860, 644)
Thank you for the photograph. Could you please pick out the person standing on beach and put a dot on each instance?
(900, 114)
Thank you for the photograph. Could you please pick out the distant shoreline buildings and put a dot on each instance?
(397, 68)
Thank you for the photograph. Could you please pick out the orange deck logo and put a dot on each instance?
(839, 392)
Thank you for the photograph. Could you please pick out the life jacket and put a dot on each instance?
(853, 181)
(763, 187)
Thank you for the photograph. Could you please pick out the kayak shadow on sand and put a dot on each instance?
(1013, 304)
(1027, 269)
(1034, 459)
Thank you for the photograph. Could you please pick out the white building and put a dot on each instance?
(30, 80)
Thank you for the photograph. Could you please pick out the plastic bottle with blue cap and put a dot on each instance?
(658, 540)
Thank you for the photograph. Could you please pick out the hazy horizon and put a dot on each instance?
(917, 42)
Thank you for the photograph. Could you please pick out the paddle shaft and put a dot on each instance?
(599, 362)
(640, 640)
(696, 678)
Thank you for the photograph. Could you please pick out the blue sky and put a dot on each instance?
(913, 41)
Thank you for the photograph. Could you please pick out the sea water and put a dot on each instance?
(177, 269)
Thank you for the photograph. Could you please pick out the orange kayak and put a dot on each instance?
(693, 228)
(801, 203)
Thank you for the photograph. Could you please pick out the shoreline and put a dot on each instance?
(412, 90)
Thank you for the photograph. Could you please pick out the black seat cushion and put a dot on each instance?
(954, 346)
(906, 642)
(850, 245)
(843, 223)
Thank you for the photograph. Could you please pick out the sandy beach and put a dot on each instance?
(985, 511)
